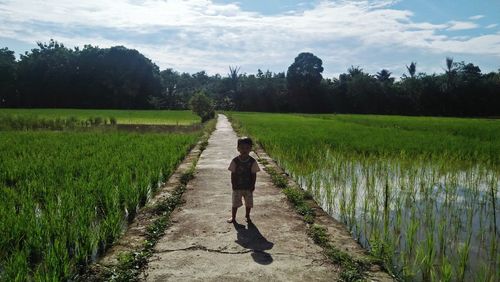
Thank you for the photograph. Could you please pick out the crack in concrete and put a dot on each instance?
(203, 248)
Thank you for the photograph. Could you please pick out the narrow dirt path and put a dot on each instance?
(201, 246)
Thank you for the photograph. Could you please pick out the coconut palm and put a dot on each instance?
(412, 69)
(234, 77)
(384, 76)
(450, 72)
(449, 64)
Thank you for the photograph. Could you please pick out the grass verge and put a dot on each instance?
(132, 263)
(351, 269)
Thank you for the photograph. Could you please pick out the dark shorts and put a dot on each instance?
(245, 194)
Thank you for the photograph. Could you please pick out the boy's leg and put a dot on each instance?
(248, 196)
(236, 195)
(233, 215)
(247, 215)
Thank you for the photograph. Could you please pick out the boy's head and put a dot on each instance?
(244, 145)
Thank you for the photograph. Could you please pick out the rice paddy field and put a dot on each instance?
(65, 196)
(150, 117)
(420, 193)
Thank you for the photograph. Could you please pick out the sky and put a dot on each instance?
(211, 35)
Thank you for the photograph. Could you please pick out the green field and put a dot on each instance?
(121, 116)
(65, 196)
(420, 193)
(467, 140)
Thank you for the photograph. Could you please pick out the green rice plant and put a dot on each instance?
(45, 116)
(463, 258)
(427, 262)
(446, 271)
(409, 249)
(493, 189)
(67, 196)
(352, 204)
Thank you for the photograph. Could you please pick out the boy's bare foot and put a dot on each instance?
(230, 220)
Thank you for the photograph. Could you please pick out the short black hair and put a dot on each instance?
(245, 140)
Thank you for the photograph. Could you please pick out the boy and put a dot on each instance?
(244, 170)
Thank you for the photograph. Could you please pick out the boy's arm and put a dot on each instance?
(233, 180)
(255, 168)
(232, 168)
(254, 178)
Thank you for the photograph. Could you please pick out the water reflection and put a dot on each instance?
(422, 211)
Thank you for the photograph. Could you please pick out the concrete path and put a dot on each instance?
(201, 246)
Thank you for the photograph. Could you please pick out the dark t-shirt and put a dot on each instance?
(243, 171)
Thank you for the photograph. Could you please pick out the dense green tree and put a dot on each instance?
(364, 92)
(45, 75)
(303, 81)
(129, 78)
(305, 71)
(469, 73)
(8, 75)
(469, 96)
(55, 76)
(170, 97)
(433, 99)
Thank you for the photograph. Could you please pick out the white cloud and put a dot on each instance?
(491, 25)
(485, 44)
(198, 35)
(459, 25)
(476, 17)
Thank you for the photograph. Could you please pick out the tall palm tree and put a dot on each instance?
(234, 77)
(450, 72)
(384, 76)
(354, 71)
(233, 72)
(412, 69)
(449, 64)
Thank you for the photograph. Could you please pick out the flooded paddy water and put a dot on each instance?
(431, 219)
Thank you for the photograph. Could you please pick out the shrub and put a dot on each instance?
(203, 106)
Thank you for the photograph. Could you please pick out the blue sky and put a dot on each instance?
(195, 35)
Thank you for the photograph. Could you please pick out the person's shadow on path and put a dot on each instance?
(251, 238)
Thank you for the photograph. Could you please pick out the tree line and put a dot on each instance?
(54, 76)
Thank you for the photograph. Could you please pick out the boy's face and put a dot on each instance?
(244, 149)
